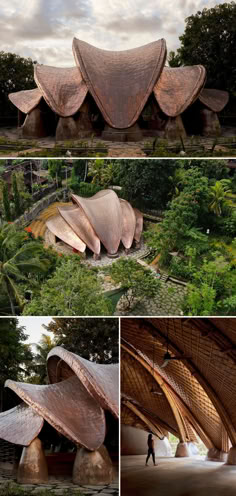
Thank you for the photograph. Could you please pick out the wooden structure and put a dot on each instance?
(75, 403)
(102, 219)
(118, 95)
(192, 395)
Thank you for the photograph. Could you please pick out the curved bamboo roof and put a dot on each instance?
(20, 425)
(79, 223)
(61, 229)
(26, 100)
(120, 82)
(104, 213)
(179, 87)
(103, 218)
(139, 224)
(215, 100)
(128, 224)
(200, 390)
(66, 406)
(101, 381)
(63, 89)
(73, 403)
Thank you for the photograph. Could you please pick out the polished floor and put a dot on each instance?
(176, 477)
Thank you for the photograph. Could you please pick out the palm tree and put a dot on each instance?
(45, 345)
(16, 264)
(219, 193)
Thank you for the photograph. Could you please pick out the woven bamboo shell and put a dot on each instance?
(20, 425)
(62, 88)
(215, 100)
(179, 87)
(120, 82)
(26, 100)
(201, 389)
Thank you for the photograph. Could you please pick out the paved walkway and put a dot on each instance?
(176, 477)
(56, 487)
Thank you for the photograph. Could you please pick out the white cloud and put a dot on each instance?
(43, 29)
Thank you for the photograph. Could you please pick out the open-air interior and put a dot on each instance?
(178, 381)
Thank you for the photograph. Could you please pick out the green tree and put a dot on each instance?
(55, 168)
(145, 183)
(6, 202)
(39, 365)
(93, 339)
(72, 290)
(212, 289)
(209, 39)
(16, 356)
(101, 172)
(16, 196)
(183, 218)
(16, 73)
(16, 264)
(218, 195)
(138, 281)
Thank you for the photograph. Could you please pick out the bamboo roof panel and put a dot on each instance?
(179, 87)
(215, 100)
(101, 381)
(26, 100)
(66, 406)
(120, 81)
(62, 88)
(20, 425)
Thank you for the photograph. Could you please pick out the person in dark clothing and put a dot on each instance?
(151, 450)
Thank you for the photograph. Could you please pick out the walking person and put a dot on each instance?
(151, 449)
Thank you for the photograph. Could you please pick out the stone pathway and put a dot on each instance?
(167, 302)
(56, 487)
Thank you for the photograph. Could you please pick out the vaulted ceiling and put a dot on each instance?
(196, 394)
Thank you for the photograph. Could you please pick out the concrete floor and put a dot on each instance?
(176, 477)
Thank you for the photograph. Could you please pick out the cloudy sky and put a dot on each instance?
(34, 327)
(43, 29)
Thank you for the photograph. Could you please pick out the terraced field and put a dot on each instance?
(38, 225)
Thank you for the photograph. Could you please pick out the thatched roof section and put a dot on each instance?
(60, 228)
(26, 100)
(215, 100)
(101, 381)
(103, 218)
(62, 88)
(178, 87)
(78, 221)
(128, 224)
(200, 390)
(104, 213)
(139, 224)
(73, 403)
(20, 425)
(120, 82)
(68, 407)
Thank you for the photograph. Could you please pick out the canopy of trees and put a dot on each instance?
(210, 39)
(16, 73)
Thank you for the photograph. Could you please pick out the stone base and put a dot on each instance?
(34, 125)
(33, 466)
(137, 244)
(174, 128)
(92, 467)
(113, 255)
(215, 455)
(127, 251)
(210, 123)
(84, 125)
(132, 133)
(96, 256)
(182, 450)
(66, 129)
(231, 459)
